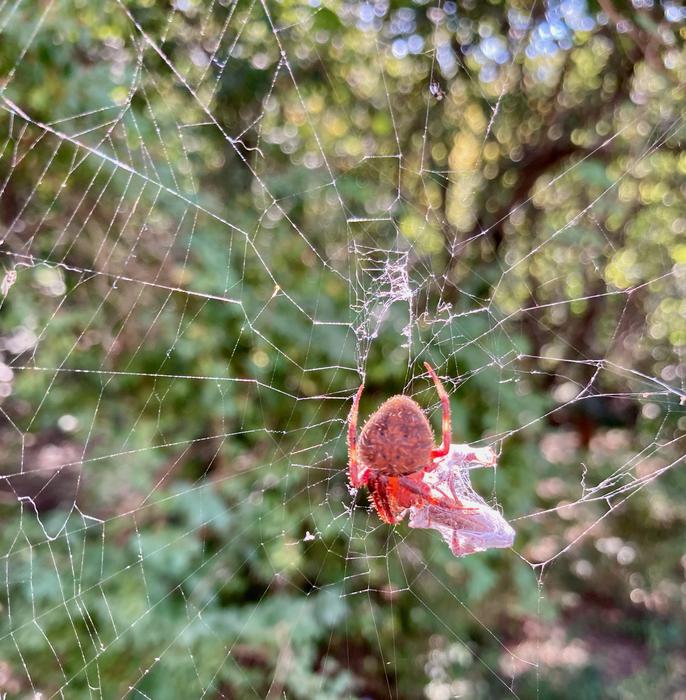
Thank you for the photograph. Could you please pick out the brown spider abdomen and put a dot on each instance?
(397, 439)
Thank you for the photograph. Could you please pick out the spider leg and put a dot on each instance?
(387, 498)
(445, 403)
(358, 476)
(434, 497)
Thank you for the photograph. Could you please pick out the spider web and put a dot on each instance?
(183, 328)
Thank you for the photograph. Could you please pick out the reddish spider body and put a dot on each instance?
(395, 450)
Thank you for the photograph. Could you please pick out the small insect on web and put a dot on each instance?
(8, 280)
(436, 90)
(470, 525)
(404, 473)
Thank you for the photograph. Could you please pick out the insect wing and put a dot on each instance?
(465, 521)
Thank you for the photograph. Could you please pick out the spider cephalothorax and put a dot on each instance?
(395, 449)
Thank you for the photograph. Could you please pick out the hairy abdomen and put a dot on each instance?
(397, 439)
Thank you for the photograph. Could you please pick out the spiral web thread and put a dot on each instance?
(105, 181)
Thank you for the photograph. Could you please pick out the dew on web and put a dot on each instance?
(216, 221)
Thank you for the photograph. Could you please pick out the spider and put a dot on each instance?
(395, 451)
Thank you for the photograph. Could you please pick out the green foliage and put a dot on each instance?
(200, 211)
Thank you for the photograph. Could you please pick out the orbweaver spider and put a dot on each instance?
(395, 451)
(397, 461)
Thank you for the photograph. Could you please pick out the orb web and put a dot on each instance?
(217, 220)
